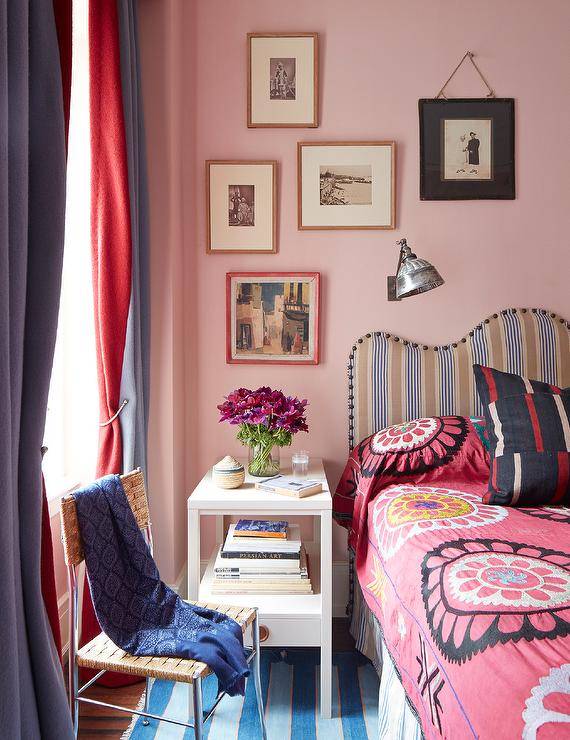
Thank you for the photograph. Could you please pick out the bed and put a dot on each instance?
(464, 608)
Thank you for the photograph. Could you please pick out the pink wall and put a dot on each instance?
(377, 59)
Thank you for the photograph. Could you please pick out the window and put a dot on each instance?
(72, 429)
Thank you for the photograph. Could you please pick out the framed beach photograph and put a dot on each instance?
(467, 149)
(346, 185)
(272, 317)
(282, 80)
(241, 204)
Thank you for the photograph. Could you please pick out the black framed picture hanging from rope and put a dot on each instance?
(467, 148)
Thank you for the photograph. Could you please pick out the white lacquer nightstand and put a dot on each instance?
(285, 620)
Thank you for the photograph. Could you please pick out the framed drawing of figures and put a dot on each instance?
(467, 149)
(346, 185)
(272, 317)
(282, 80)
(241, 203)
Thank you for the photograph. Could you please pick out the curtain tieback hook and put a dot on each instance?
(117, 412)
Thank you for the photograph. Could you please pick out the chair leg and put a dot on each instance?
(146, 721)
(73, 702)
(198, 711)
(257, 674)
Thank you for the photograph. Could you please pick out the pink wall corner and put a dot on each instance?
(160, 34)
(377, 60)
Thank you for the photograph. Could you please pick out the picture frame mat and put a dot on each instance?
(486, 150)
(502, 111)
(381, 214)
(262, 112)
(250, 240)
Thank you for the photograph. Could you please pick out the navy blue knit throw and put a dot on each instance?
(134, 607)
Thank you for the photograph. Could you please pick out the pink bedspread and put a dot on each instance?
(473, 600)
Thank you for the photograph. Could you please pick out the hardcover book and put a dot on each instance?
(263, 547)
(242, 566)
(261, 528)
(287, 485)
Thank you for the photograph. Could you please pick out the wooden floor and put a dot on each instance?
(99, 722)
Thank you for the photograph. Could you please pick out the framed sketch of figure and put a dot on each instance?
(241, 206)
(467, 149)
(282, 80)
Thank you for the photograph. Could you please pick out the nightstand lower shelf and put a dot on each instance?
(289, 619)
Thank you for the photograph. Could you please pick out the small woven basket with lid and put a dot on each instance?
(228, 473)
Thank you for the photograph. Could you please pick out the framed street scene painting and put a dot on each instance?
(282, 80)
(241, 203)
(272, 317)
(346, 185)
(467, 149)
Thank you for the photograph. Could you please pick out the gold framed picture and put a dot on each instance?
(241, 206)
(346, 185)
(282, 80)
(272, 318)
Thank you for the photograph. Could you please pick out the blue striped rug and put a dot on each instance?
(290, 683)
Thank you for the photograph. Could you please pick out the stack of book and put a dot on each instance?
(262, 557)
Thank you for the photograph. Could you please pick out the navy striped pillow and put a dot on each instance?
(528, 423)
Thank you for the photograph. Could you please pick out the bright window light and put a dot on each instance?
(72, 423)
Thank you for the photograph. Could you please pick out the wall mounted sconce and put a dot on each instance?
(413, 275)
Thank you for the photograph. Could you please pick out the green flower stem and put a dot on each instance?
(264, 439)
(260, 464)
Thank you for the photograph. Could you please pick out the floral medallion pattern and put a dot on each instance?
(404, 437)
(478, 593)
(552, 513)
(547, 711)
(405, 511)
(414, 446)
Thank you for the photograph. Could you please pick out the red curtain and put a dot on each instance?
(63, 14)
(111, 249)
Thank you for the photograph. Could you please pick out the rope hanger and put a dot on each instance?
(468, 55)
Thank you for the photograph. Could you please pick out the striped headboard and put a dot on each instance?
(393, 380)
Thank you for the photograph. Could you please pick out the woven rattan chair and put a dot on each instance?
(102, 655)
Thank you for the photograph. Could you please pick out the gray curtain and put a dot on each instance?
(32, 201)
(135, 375)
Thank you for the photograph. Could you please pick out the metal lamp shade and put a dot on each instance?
(416, 275)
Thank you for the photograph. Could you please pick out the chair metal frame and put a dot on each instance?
(200, 716)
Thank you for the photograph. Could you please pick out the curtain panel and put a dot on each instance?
(119, 242)
(33, 703)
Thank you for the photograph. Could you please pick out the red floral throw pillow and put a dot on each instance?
(528, 424)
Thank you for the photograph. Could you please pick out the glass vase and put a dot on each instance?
(263, 460)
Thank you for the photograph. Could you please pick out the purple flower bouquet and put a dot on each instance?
(266, 419)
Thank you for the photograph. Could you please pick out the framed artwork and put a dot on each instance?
(282, 80)
(272, 317)
(241, 203)
(346, 185)
(467, 149)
